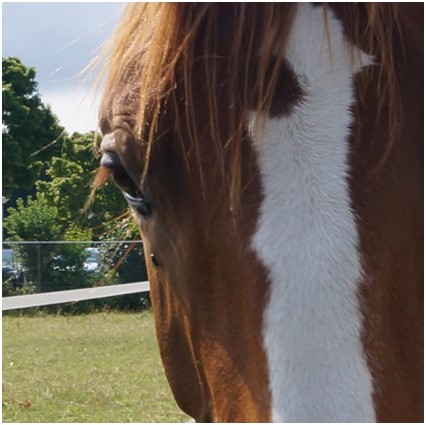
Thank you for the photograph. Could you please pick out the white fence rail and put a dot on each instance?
(73, 295)
(72, 242)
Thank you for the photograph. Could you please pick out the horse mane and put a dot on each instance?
(156, 45)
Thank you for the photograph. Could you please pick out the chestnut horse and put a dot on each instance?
(272, 155)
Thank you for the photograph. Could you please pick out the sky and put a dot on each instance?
(60, 40)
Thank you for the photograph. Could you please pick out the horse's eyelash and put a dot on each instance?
(140, 204)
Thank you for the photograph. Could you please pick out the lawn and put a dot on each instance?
(90, 368)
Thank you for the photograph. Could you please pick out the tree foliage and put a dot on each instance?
(28, 127)
(65, 269)
(51, 266)
(69, 176)
(36, 221)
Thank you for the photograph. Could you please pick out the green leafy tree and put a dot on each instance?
(66, 269)
(52, 266)
(30, 129)
(35, 222)
(68, 186)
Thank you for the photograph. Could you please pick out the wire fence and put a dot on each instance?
(41, 267)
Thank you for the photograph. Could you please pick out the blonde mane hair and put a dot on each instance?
(157, 44)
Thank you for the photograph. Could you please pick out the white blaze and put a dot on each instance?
(307, 237)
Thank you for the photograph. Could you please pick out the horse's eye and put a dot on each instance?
(141, 205)
(130, 189)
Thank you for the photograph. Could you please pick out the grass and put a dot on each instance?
(90, 368)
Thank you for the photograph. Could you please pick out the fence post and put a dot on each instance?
(38, 268)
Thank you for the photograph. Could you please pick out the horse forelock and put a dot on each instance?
(157, 45)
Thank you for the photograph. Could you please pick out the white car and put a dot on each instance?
(92, 261)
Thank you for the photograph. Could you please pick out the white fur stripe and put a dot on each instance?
(307, 238)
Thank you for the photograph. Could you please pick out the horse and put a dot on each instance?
(271, 155)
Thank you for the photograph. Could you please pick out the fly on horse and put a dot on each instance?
(272, 155)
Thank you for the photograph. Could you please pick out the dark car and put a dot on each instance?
(11, 269)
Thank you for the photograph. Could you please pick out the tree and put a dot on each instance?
(30, 129)
(68, 184)
(65, 269)
(52, 266)
(35, 222)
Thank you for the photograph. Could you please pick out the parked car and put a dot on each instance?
(92, 261)
(11, 269)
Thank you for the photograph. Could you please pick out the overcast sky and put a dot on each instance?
(59, 40)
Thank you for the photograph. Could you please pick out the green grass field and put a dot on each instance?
(91, 368)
